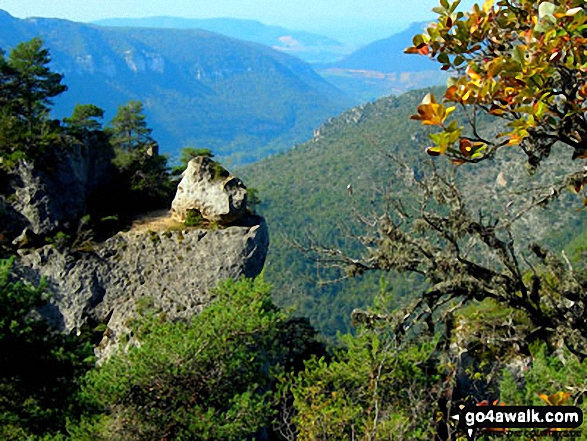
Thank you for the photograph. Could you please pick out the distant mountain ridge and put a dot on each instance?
(308, 46)
(241, 99)
(387, 55)
(382, 68)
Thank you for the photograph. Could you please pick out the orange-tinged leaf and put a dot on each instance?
(558, 398)
(434, 151)
(432, 113)
(515, 139)
(451, 93)
(426, 112)
(424, 50)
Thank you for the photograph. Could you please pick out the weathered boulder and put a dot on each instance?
(171, 271)
(208, 188)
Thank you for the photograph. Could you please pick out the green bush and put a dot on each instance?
(209, 378)
(39, 367)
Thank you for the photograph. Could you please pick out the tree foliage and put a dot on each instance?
(27, 87)
(370, 389)
(39, 367)
(143, 171)
(516, 63)
(36, 84)
(84, 118)
(518, 60)
(522, 62)
(128, 129)
(209, 378)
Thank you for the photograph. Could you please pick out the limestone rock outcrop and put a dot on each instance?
(48, 201)
(208, 188)
(171, 271)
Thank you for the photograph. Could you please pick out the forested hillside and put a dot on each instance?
(304, 192)
(241, 99)
(305, 197)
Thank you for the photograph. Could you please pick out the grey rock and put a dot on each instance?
(55, 199)
(218, 199)
(172, 272)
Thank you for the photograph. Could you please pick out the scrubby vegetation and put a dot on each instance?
(40, 367)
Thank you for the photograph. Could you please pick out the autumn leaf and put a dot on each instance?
(465, 146)
(556, 399)
(432, 113)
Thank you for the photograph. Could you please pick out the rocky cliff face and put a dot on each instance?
(159, 265)
(55, 199)
(169, 271)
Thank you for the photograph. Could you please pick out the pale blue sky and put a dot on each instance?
(362, 18)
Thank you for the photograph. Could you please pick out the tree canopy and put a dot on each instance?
(128, 128)
(36, 84)
(523, 64)
(209, 378)
(521, 61)
(142, 170)
(85, 117)
(27, 87)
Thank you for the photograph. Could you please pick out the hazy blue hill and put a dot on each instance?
(382, 68)
(306, 45)
(241, 99)
(387, 55)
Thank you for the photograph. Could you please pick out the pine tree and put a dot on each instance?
(36, 83)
